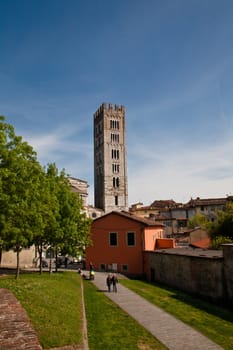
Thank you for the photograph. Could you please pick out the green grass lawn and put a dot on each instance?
(111, 328)
(213, 321)
(53, 303)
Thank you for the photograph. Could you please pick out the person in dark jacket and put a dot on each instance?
(114, 282)
(109, 282)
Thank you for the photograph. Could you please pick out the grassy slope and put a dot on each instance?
(53, 303)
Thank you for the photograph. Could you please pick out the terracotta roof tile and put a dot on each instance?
(203, 243)
(146, 222)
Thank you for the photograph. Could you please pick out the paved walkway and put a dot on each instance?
(167, 329)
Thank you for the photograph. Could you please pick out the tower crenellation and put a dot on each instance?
(109, 107)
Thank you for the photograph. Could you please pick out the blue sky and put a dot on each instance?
(170, 63)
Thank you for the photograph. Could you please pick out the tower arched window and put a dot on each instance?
(114, 124)
(116, 200)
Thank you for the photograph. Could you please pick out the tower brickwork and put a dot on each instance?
(110, 162)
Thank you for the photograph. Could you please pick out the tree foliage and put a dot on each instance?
(36, 204)
(198, 221)
(220, 230)
(224, 225)
(19, 174)
(47, 215)
(70, 232)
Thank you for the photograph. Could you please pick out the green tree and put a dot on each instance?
(221, 231)
(47, 214)
(198, 221)
(69, 232)
(75, 225)
(37, 205)
(20, 174)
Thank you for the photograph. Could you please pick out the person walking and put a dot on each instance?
(109, 282)
(114, 283)
(92, 275)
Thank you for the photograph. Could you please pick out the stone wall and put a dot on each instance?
(26, 258)
(209, 276)
(228, 271)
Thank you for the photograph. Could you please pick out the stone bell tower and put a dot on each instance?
(110, 163)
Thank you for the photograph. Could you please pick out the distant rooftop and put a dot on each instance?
(204, 253)
(170, 203)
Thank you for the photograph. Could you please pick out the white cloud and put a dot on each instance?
(64, 146)
(183, 173)
(178, 172)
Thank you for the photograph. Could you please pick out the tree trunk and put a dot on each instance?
(56, 259)
(50, 264)
(40, 257)
(0, 255)
(17, 268)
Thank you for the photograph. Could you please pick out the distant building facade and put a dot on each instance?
(175, 216)
(81, 188)
(110, 162)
